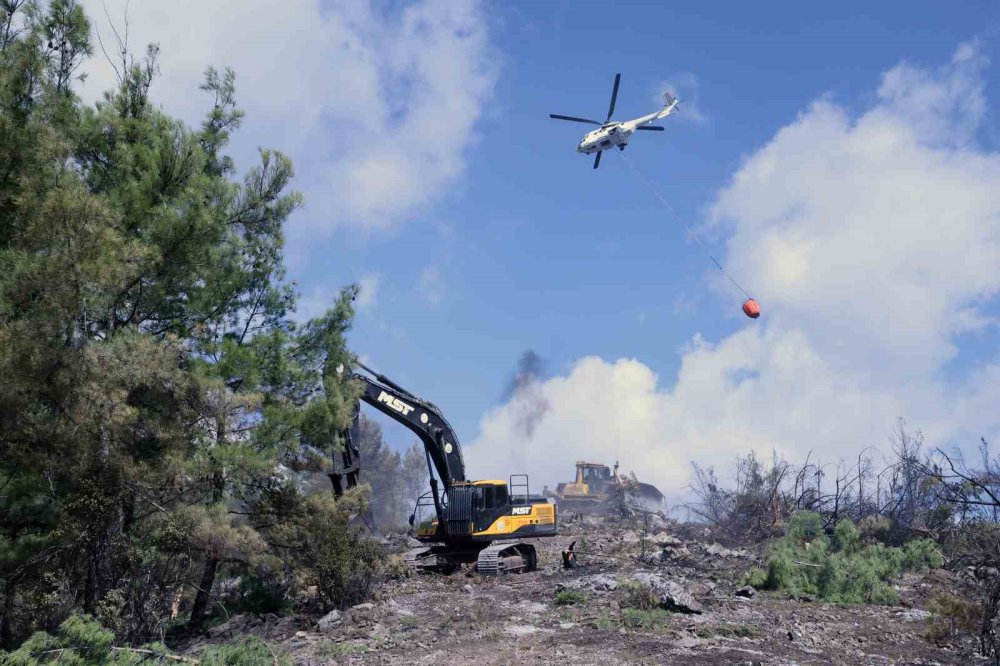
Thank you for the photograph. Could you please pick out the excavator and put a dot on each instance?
(481, 522)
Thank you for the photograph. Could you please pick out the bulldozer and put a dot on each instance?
(599, 489)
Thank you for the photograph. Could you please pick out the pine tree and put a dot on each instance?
(156, 401)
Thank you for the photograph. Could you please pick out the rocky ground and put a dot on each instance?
(557, 616)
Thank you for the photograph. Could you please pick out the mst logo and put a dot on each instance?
(521, 510)
(395, 403)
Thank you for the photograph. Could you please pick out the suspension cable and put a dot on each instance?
(666, 204)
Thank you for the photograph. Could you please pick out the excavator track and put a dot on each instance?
(430, 559)
(501, 558)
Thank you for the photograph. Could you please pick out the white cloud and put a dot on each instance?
(683, 86)
(376, 104)
(872, 242)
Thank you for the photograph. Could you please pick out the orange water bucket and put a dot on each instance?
(751, 308)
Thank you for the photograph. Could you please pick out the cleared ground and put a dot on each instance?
(466, 618)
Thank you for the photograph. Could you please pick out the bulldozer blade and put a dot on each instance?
(645, 497)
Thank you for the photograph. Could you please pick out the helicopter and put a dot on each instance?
(617, 133)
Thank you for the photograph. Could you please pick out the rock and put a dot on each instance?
(531, 607)
(593, 583)
(721, 551)
(468, 589)
(680, 600)
(235, 625)
(363, 607)
(628, 536)
(518, 630)
(666, 540)
(603, 583)
(687, 642)
(300, 634)
(329, 621)
(746, 592)
(673, 596)
(675, 552)
(913, 615)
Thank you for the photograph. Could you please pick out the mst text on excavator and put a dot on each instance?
(469, 521)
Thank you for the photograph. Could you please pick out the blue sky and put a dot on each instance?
(486, 235)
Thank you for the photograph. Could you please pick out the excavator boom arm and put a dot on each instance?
(419, 416)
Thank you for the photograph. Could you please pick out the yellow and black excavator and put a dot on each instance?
(470, 521)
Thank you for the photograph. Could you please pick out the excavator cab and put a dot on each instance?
(476, 514)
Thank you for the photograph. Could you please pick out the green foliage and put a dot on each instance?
(846, 537)
(729, 631)
(755, 577)
(921, 555)
(262, 591)
(395, 480)
(875, 528)
(837, 567)
(249, 651)
(157, 402)
(649, 619)
(80, 641)
(804, 526)
(606, 622)
(328, 552)
(570, 597)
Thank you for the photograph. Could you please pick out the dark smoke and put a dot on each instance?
(529, 369)
(524, 393)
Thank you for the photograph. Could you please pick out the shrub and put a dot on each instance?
(570, 597)
(846, 537)
(952, 614)
(250, 651)
(81, 641)
(645, 619)
(921, 555)
(837, 567)
(875, 528)
(262, 591)
(756, 577)
(805, 526)
(327, 551)
(634, 594)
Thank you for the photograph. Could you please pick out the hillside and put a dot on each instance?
(580, 616)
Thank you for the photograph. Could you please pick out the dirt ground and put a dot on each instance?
(466, 618)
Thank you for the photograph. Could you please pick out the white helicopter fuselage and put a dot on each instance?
(614, 134)
(618, 133)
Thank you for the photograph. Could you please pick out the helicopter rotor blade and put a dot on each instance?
(574, 119)
(653, 128)
(614, 96)
(597, 160)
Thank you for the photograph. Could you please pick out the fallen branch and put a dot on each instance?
(159, 655)
(174, 657)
